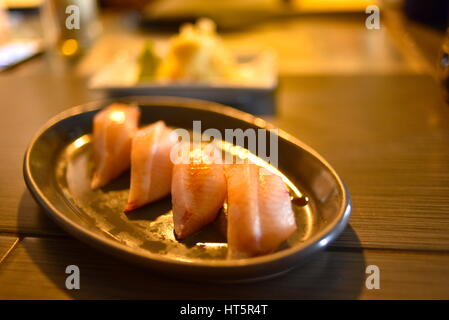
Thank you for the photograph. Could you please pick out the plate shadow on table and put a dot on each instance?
(333, 274)
(32, 220)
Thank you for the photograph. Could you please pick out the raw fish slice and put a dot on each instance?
(151, 167)
(277, 217)
(260, 216)
(244, 225)
(113, 130)
(198, 191)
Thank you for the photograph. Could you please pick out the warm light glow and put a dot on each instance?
(22, 3)
(117, 116)
(69, 47)
(198, 156)
(332, 5)
(323, 242)
(81, 141)
(213, 244)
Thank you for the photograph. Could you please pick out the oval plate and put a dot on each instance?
(58, 166)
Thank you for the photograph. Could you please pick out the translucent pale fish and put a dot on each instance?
(151, 167)
(260, 215)
(113, 130)
(198, 192)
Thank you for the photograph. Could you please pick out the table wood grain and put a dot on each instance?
(30, 95)
(388, 138)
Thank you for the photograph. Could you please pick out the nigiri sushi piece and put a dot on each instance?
(113, 130)
(198, 191)
(260, 215)
(151, 166)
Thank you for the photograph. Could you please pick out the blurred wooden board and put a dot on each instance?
(36, 270)
(335, 45)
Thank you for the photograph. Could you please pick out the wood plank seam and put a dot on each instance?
(10, 250)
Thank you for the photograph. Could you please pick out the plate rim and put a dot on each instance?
(319, 241)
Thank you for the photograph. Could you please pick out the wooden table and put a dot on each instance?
(387, 135)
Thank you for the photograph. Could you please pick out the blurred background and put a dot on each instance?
(307, 37)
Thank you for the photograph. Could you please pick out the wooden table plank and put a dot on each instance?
(388, 137)
(36, 270)
(29, 219)
(30, 95)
